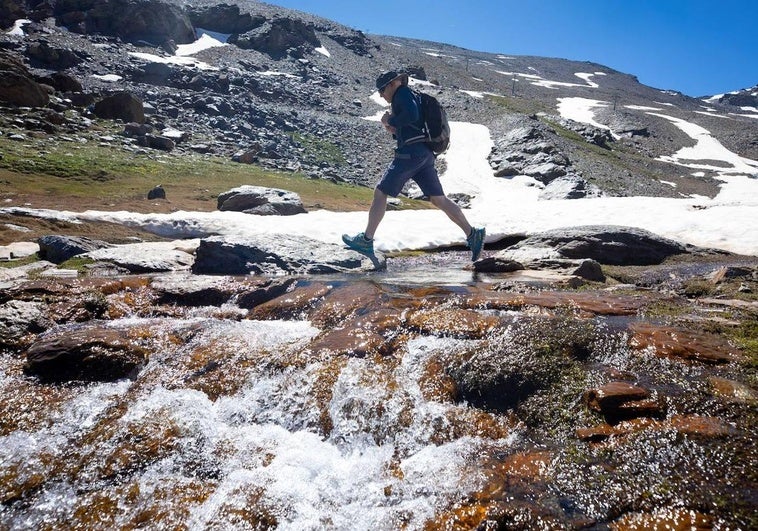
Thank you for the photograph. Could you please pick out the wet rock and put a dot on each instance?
(513, 365)
(732, 390)
(700, 426)
(681, 343)
(261, 200)
(59, 248)
(622, 400)
(594, 303)
(293, 304)
(344, 301)
(273, 255)
(90, 353)
(349, 341)
(452, 322)
(496, 264)
(18, 319)
(665, 518)
(200, 290)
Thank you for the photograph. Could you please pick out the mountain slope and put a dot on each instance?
(291, 88)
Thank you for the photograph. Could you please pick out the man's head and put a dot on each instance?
(388, 82)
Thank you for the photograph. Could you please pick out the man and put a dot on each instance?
(413, 160)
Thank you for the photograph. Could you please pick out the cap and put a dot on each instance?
(386, 78)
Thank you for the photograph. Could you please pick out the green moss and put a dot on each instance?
(19, 262)
(77, 263)
(319, 149)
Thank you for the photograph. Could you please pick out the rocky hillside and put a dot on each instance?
(291, 91)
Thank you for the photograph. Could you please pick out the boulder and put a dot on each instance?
(59, 248)
(274, 254)
(88, 353)
(63, 82)
(157, 193)
(121, 106)
(261, 200)
(17, 86)
(613, 245)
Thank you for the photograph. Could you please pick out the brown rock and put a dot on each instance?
(90, 353)
(622, 400)
(672, 518)
(681, 343)
(296, 302)
(734, 391)
(121, 106)
(692, 425)
(21, 90)
(453, 322)
(594, 303)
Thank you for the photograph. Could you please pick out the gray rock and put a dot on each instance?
(59, 248)
(276, 254)
(496, 264)
(545, 172)
(606, 244)
(569, 187)
(157, 193)
(148, 257)
(261, 200)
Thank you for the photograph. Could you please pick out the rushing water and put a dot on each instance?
(237, 423)
(378, 468)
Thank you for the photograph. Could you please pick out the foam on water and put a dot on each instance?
(263, 448)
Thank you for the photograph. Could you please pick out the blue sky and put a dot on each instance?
(696, 47)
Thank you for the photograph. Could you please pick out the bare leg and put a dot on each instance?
(453, 211)
(376, 212)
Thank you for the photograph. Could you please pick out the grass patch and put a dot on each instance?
(519, 105)
(79, 264)
(9, 264)
(319, 149)
(72, 176)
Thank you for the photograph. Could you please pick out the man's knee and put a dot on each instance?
(440, 201)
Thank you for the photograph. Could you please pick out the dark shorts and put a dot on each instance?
(412, 162)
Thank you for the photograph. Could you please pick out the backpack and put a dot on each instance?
(436, 127)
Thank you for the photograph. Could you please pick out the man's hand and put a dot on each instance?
(386, 124)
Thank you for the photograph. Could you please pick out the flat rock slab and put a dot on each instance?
(278, 254)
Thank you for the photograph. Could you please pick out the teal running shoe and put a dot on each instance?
(475, 242)
(359, 243)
